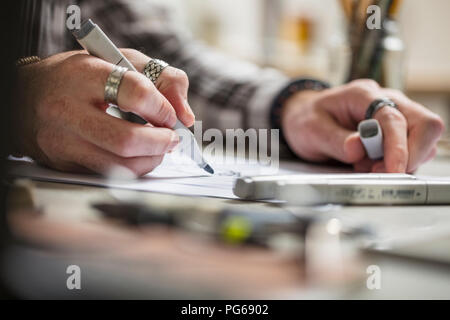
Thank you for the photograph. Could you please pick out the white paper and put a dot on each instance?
(172, 176)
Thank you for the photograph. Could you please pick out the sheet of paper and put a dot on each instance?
(172, 176)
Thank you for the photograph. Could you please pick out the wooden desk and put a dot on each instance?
(157, 262)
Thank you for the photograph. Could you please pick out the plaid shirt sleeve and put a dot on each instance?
(224, 92)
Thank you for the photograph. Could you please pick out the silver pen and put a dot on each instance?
(97, 43)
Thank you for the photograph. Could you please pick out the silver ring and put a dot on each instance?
(154, 68)
(113, 83)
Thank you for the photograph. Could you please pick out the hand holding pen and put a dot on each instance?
(97, 43)
(61, 121)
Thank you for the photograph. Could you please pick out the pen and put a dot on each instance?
(233, 225)
(372, 138)
(365, 192)
(97, 43)
(264, 187)
(230, 224)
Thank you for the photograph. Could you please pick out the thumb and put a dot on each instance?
(341, 143)
(353, 148)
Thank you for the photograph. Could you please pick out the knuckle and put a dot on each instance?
(140, 94)
(155, 162)
(130, 51)
(162, 111)
(164, 141)
(181, 77)
(394, 93)
(435, 125)
(365, 88)
(177, 77)
(126, 144)
(388, 114)
(366, 83)
(400, 150)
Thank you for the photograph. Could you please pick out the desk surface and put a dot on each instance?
(158, 263)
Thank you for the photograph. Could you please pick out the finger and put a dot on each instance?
(378, 167)
(118, 136)
(424, 127)
(338, 142)
(348, 103)
(431, 155)
(173, 83)
(365, 165)
(428, 158)
(136, 93)
(421, 143)
(95, 159)
(395, 136)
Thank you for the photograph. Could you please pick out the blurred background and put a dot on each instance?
(313, 38)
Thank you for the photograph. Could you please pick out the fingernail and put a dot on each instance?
(174, 140)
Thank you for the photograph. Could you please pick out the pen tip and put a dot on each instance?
(209, 169)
